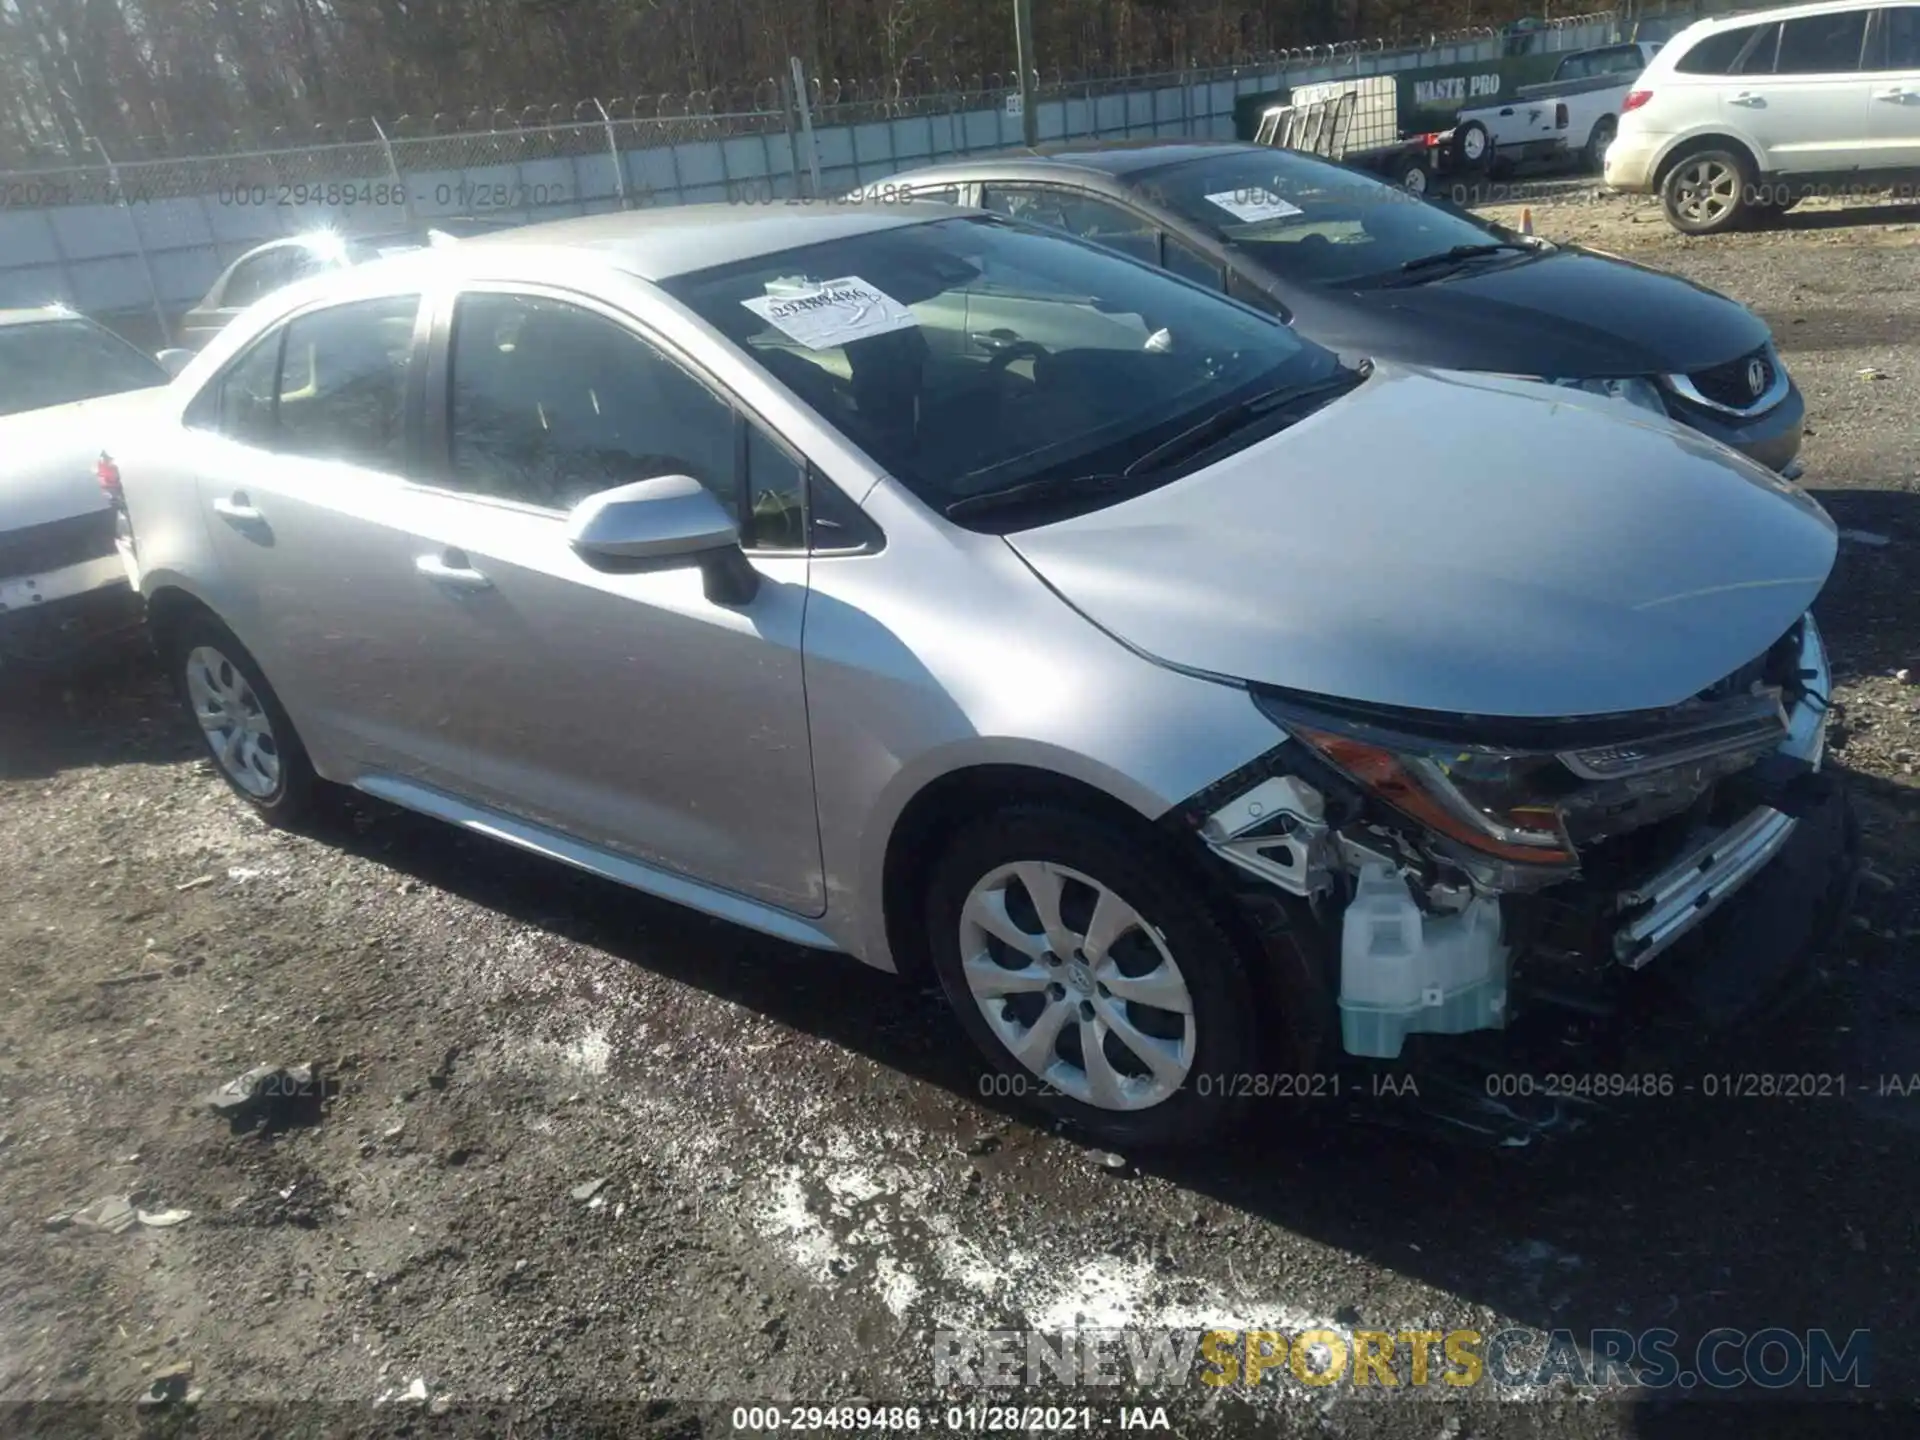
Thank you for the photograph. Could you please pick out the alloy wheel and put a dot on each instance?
(236, 724)
(1707, 191)
(1077, 986)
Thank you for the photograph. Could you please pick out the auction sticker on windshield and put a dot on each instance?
(1254, 205)
(831, 313)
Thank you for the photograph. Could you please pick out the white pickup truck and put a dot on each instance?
(1573, 115)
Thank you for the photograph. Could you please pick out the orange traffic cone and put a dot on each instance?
(1526, 221)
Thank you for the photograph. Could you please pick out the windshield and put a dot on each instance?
(969, 355)
(54, 362)
(1310, 220)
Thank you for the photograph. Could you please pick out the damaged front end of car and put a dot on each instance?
(1469, 871)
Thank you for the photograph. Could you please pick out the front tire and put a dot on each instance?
(1094, 975)
(1706, 193)
(251, 740)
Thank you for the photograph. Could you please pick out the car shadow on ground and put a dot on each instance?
(108, 707)
(1686, 1211)
(1866, 212)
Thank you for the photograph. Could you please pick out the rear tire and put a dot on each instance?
(1413, 174)
(1604, 131)
(1472, 147)
(251, 740)
(1136, 962)
(1707, 192)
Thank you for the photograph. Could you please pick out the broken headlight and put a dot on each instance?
(1499, 804)
(1534, 807)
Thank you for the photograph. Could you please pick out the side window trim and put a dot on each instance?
(435, 473)
(213, 394)
(1145, 221)
(1765, 37)
(277, 337)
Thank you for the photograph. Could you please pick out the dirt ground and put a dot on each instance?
(585, 1163)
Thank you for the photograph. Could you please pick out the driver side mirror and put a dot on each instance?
(174, 361)
(665, 523)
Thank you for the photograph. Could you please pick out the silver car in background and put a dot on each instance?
(907, 582)
(68, 387)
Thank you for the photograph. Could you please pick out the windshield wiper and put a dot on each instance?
(1032, 492)
(1465, 252)
(1216, 427)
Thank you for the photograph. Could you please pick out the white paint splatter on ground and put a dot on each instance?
(589, 1052)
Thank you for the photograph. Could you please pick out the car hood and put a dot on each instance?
(1456, 543)
(47, 457)
(1566, 314)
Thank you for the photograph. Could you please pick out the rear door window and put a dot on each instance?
(1822, 44)
(1717, 53)
(343, 383)
(1900, 44)
(1100, 221)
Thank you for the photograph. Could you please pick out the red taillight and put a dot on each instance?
(1635, 99)
(108, 474)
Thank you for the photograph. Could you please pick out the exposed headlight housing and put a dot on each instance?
(1499, 804)
(1525, 812)
(1634, 389)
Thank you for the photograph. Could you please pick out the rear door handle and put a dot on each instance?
(1747, 97)
(1897, 94)
(452, 569)
(239, 510)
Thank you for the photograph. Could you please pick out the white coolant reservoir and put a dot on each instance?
(1403, 971)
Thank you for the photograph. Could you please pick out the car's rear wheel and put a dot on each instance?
(1412, 174)
(1706, 192)
(251, 739)
(1094, 975)
(1472, 147)
(1604, 129)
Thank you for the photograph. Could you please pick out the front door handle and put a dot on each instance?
(994, 341)
(1747, 97)
(1897, 94)
(452, 569)
(239, 510)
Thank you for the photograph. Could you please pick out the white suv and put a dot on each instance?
(1739, 118)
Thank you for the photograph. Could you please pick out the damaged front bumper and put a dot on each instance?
(1428, 948)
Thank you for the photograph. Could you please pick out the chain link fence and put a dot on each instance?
(141, 235)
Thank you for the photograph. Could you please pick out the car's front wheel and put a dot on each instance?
(1095, 976)
(248, 732)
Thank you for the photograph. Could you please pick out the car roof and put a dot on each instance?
(39, 315)
(1111, 157)
(1737, 18)
(659, 244)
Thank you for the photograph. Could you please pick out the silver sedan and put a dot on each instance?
(907, 582)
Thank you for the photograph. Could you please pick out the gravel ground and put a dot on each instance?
(566, 1146)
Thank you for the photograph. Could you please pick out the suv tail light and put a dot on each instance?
(108, 474)
(1560, 116)
(1635, 99)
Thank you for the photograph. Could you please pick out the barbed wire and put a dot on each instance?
(707, 112)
